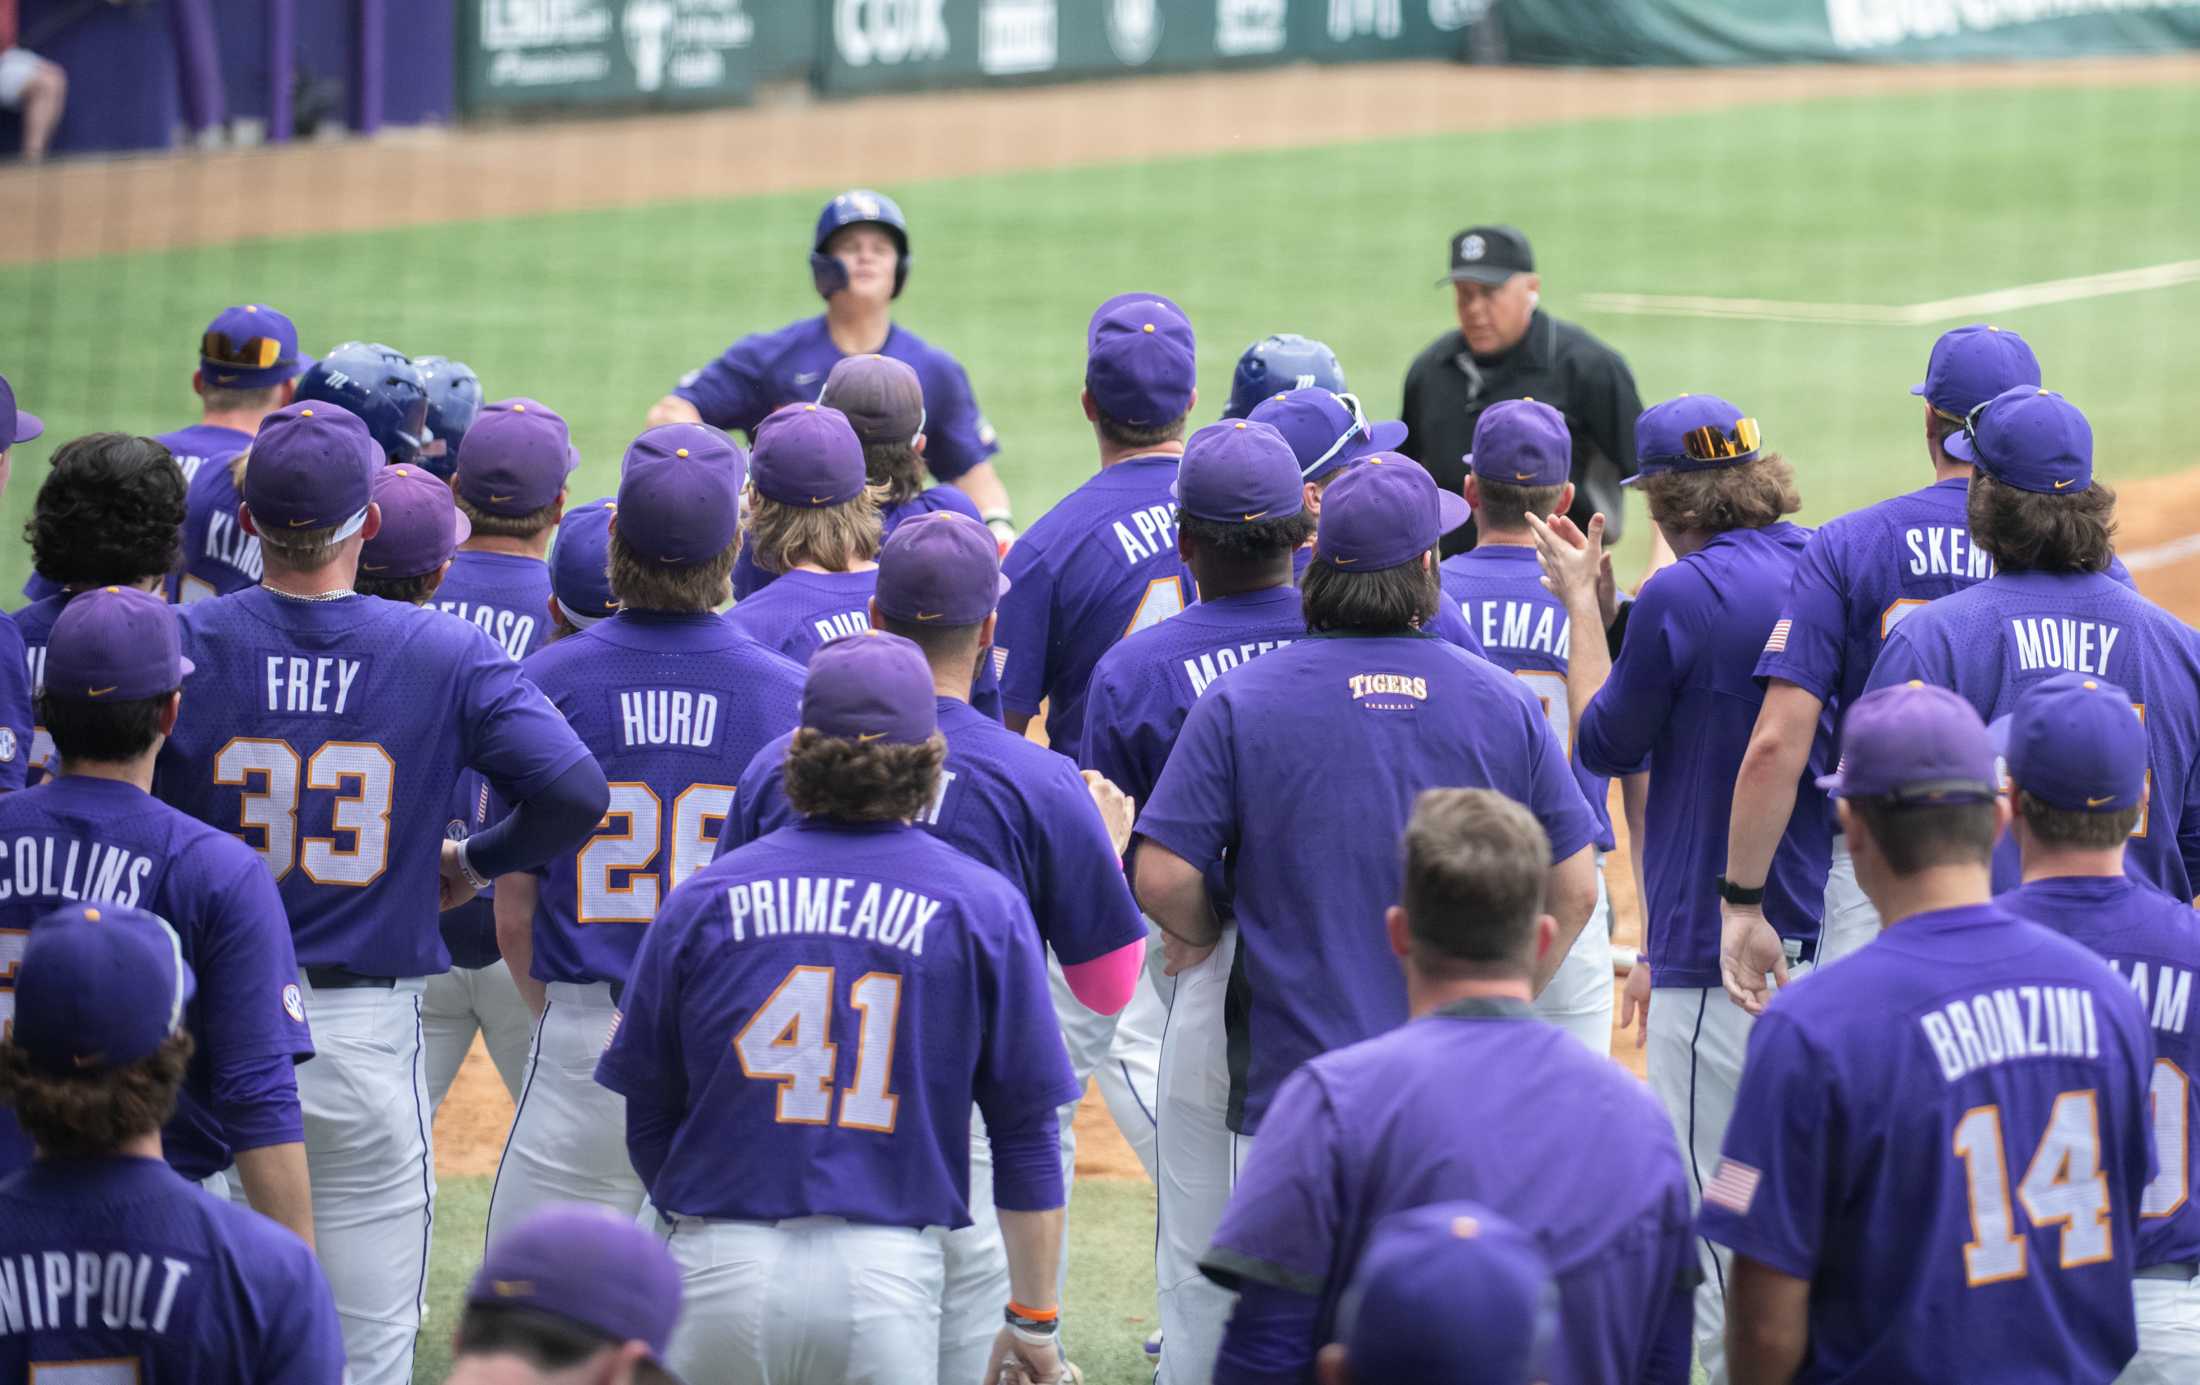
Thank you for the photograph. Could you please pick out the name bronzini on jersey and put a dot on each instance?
(61, 1290)
(1941, 550)
(1208, 665)
(514, 631)
(1528, 626)
(320, 685)
(35, 866)
(2010, 1023)
(1155, 527)
(2165, 992)
(2051, 642)
(674, 716)
(789, 905)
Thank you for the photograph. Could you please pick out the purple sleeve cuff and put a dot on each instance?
(1270, 1336)
(556, 818)
(1027, 1162)
(649, 1131)
(257, 1101)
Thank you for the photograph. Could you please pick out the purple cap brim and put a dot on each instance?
(27, 426)
(1958, 446)
(1386, 435)
(1918, 389)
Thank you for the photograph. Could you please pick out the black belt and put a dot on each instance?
(2183, 1271)
(337, 979)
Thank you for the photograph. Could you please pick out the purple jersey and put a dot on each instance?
(35, 624)
(1447, 624)
(1479, 1101)
(195, 446)
(673, 707)
(1018, 807)
(219, 557)
(1328, 742)
(1947, 1135)
(802, 610)
(1990, 642)
(748, 578)
(1681, 702)
(16, 720)
(830, 999)
(506, 594)
(1498, 589)
(330, 735)
(759, 373)
(116, 1269)
(1144, 687)
(79, 838)
(1098, 566)
(2152, 942)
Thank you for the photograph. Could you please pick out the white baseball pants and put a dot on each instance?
(468, 1000)
(1197, 1158)
(1850, 919)
(1130, 1078)
(2169, 1333)
(568, 1140)
(1579, 998)
(975, 1270)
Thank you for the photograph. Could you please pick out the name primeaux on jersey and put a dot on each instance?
(1942, 550)
(57, 1290)
(784, 905)
(1155, 532)
(2010, 1023)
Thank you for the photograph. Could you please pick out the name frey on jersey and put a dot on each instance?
(320, 686)
(813, 904)
(1942, 550)
(1149, 531)
(227, 542)
(514, 631)
(1533, 627)
(668, 716)
(840, 625)
(2011, 1023)
(39, 867)
(2061, 642)
(1203, 669)
(2165, 992)
(61, 1291)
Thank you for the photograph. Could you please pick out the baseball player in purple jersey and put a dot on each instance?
(95, 834)
(1941, 1147)
(1451, 1291)
(329, 730)
(831, 998)
(574, 1293)
(1017, 807)
(580, 577)
(16, 719)
(1473, 1099)
(859, 261)
(2051, 608)
(812, 517)
(1102, 563)
(111, 1267)
(2076, 760)
(1519, 467)
(673, 704)
(1679, 701)
(1329, 739)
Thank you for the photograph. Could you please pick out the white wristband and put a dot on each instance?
(466, 868)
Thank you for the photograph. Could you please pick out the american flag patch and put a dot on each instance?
(1779, 639)
(618, 1017)
(1000, 662)
(1733, 1187)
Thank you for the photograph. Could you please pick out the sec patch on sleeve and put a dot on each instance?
(294, 1005)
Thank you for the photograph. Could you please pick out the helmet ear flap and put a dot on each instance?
(831, 276)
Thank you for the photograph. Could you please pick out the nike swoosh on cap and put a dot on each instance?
(2060, 484)
(300, 523)
(1248, 519)
(1344, 562)
(1523, 476)
(929, 615)
(498, 499)
(2092, 802)
(102, 692)
(866, 737)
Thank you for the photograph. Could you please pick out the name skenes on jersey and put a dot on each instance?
(802, 610)
(673, 707)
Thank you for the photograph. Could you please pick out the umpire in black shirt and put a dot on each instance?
(1507, 348)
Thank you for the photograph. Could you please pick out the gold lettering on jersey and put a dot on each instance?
(2009, 1024)
(2165, 993)
(319, 684)
(1942, 550)
(2060, 642)
(1149, 531)
(805, 906)
(36, 867)
(1382, 689)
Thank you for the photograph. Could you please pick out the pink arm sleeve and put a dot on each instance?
(1104, 984)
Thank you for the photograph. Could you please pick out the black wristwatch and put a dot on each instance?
(1735, 894)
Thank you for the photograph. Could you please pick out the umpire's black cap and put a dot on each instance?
(1489, 255)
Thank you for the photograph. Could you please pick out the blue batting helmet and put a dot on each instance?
(856, 207)
(1285, 361)
(454, 397)
(382, 387)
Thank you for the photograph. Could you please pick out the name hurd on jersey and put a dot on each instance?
(811, 905)
(320, 685)
(1149, 531)
(2060, 642)
(1941, 550)
(1204, 669)
(2009, 1024)
(60, 1291)
(1529, 626)
(2164, 992)
(668, 716)
(33, 867)
(1388, 691)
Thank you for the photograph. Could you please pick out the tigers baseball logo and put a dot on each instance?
(1388, 692)
(1134, 29)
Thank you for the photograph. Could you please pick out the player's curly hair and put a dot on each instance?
(1248, 545)
(90, 1114)
(1506, 506)
(835, 537)
(1918, 836)
(643, 585)
(895, 470)
(2074, 827)
(1393, 598)
(526, 526)
(2026, 531)
(101, 733)
(1130, 435)
(837, 779)
(409, 591)
(1749, 496)
(109, 511)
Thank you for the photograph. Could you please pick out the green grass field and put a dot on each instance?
(1892, 200)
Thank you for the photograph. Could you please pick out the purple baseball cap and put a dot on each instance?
(1327, 432)
(15, 425)
(2030, 438)
(942, 567)
(808, 455)
(1092, 325)
(871, 687)
(679, 493)
(1916, 744)
(1384, 513)
(2075, 743)
(1238, 471)
(422, 525)
(100, 986)
(1142, 364)
(1453, 1292)
(250, 347)
(312, 466)
(580, 576)
(514, 460)
(589, 1266)
(1971, 365)
(1663, 433)
(1520, 442)
(115, 644)
(881, 397)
